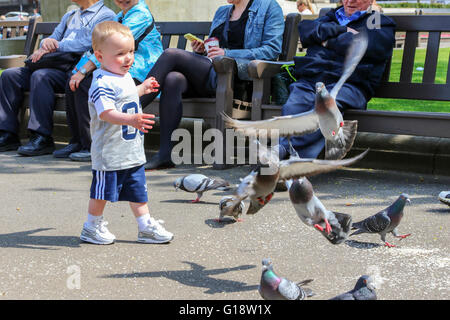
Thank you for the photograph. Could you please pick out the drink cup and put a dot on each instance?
(211, 42)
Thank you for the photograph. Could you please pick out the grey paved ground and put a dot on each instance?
(43, 204)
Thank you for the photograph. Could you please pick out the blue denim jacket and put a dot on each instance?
(263, 33)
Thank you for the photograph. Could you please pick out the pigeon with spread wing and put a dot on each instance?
(339, 133)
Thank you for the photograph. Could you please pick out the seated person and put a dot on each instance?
(73, 34)
(246, 29)
(136, 15)
(327, 39)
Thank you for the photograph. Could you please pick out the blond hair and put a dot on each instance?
(106, 29)
(307, 3)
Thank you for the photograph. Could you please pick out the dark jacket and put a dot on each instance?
(325, 63)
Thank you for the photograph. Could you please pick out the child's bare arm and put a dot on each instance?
(148, 86)
(139, 121)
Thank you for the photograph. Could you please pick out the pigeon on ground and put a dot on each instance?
(444, 197)
(273, 287)
(384, 221)
(334, 226)
(200, 183)
(259, 186)
(363, 290)
(235, 213)
(339, 133)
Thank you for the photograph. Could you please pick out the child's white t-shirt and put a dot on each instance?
(114, 147)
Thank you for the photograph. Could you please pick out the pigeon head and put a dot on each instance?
(365, 281)
(177, 183)
(404, 198)
(267, 264)
(320, 88)
(399, 204)
(301, 190)
(227, 200)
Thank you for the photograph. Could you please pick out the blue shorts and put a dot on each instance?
(121, 185)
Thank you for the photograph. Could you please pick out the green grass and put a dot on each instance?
(414, 105)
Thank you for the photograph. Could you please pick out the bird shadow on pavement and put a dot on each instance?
(26, 240)
(361, 245)
(188, 201)
(213, 223)
(197, 276)
(440, 210)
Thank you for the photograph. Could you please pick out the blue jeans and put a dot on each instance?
(301, 99)
(42, 85)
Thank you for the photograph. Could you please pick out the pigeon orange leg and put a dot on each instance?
(318, 227)
(387, 244)
(196, 200)
(403, 236)
(261, 201)
(269, 197)
(327, 227)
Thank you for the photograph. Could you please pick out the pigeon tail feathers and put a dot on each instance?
(334, 150)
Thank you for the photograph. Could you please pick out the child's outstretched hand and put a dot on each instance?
(148, 86)
(141, 121)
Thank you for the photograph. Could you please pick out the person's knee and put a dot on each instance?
(39, 76)
(174, 80)
(172, 53)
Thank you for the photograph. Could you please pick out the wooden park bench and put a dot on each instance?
(208, 109)
(429, 124)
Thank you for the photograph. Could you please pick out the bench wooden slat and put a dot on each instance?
(409, 52)
(417, 91)
(428, 124)
(431, 58)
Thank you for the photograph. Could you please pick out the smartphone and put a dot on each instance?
(191, 37)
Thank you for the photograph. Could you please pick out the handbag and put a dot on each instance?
(280, 84)
(63, 61)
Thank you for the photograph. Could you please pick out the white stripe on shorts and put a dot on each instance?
(100, 186)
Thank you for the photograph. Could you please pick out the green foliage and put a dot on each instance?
(416, 5)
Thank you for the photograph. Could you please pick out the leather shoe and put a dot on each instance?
(83, 155)
(38, 145)
(155, 163)
(67, 150)
(8, 141)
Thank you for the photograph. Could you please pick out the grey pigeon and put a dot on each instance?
(334, 226)
(200, 183)
(227, 201)
(363, 290)
(274, 287)
(339, 133)
(384, 221)
(259, 186)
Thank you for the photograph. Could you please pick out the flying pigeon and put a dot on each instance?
(235, 213)
(384, 221)
(339, 133)
(259, 186)
(273, 287)
(363, 290)
(199, 183)
(334, 226)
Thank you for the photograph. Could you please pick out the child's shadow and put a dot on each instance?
(26, 240)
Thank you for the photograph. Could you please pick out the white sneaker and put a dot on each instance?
(97, 234)
(444, 197)
(154, 233)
